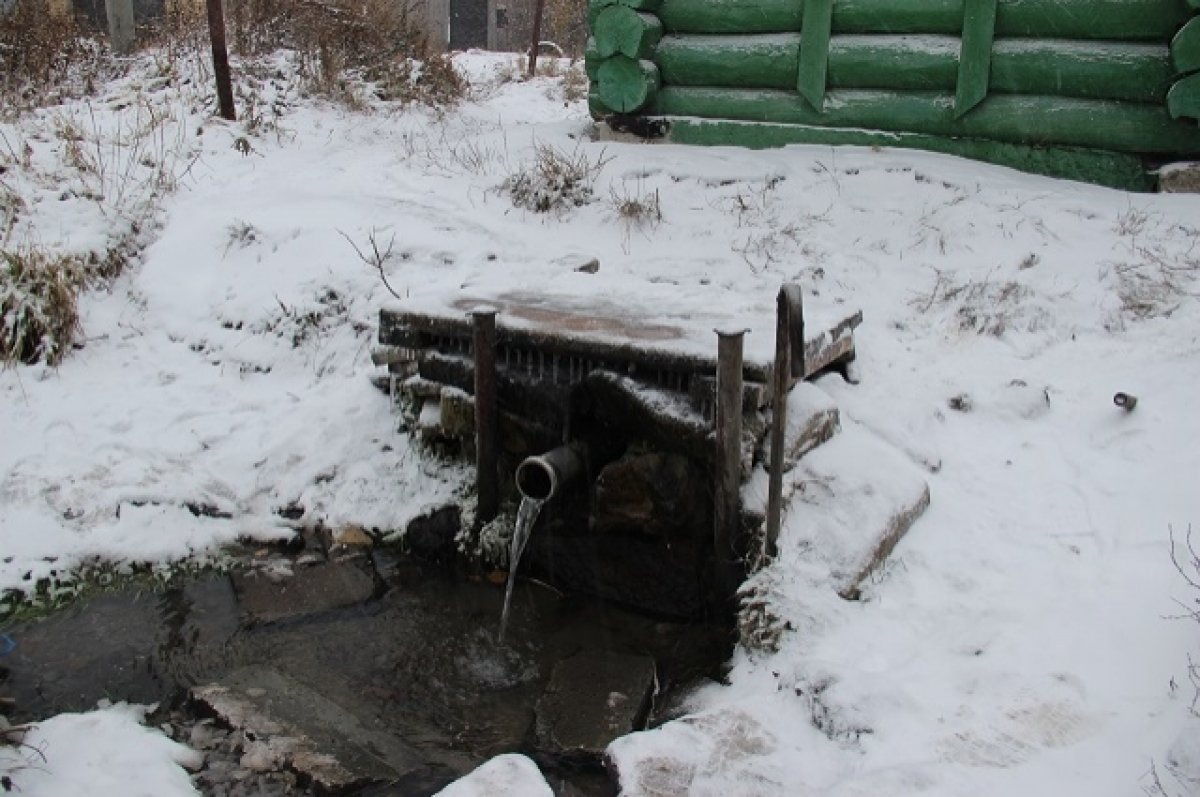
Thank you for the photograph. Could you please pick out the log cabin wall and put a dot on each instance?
(1096, 90)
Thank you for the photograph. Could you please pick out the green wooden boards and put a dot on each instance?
(1122, 20)
(975, 58)
(1112, 169)
(1090, 70)
(1046, 121)
(814, 51)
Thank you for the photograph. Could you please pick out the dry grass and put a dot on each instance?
(554, 180)
(39, 319)
(45, 58)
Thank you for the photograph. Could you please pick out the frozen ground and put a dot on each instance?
(1019, 642)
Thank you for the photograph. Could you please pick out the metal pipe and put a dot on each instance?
(541, 477)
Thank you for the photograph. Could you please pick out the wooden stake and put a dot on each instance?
(728, 468)
(789, 366)
(487, 475)
(216, 32)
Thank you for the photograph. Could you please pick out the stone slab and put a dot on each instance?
(592, 698)
(290, 725)
(269, 597)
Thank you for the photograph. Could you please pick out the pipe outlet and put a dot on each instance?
(541, 477)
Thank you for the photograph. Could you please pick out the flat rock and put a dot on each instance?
(592, 698)
(852, 500)
(1180, 178)
(292, 726)
(812, 418)
(266, 598)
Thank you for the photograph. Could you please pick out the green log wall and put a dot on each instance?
(1097, 90)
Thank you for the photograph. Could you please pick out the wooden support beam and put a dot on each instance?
(220, 55)
(728, 464)
(789, 367)
(975, 58)
(814, 52)
(487, 449)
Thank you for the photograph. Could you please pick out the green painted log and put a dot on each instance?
(814, 52)
(1096, 70)
(1112, 169)
(622, 31)
(596, 6)
(591, 59)
(1018, 119)
(1125, 20)
(1183, 100)
(1185, 47)
(975, 58)
(626, 85)
(596, 107)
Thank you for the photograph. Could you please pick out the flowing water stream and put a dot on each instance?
(527, 515)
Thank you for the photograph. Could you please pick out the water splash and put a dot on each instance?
(527, 515)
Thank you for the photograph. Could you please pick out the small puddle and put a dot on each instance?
(420, 660)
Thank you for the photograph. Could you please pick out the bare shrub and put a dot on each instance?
(44, 57)
(39, 320)
(555, 180)
(339, 42)
(985, 306)
(635, 208)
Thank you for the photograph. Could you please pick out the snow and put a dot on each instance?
(505, 774)
(1021, 639)
(103, 752)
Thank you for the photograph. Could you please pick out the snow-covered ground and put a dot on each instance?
(1020, 641)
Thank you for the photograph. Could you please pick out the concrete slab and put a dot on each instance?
(592, 698)
(289, 725)
(268, 597)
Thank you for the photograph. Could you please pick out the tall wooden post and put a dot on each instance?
(121, 26)
(487, 451)
(728, 469)
(216, 32)
(538, 11)
(789, 366)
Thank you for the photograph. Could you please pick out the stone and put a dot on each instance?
(311, 590)
(592, 698)
(353, 536)
(458, 412)
(293, 725)
(1180, 178)
(433, 535)
(655, 494)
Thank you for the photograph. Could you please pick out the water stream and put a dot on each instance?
(527, 515)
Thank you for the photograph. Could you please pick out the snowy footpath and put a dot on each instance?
(1022, 639)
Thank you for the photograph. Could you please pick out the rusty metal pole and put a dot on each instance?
(538, 11)
(789, 366)
(728, 470)
(487, 477)
(216, 32)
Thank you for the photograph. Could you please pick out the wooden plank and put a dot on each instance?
(975, 58)
(814, 51)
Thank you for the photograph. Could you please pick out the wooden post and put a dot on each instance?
(728, 468)
(121, 32)
(789, 366)
(538, 11)
(486, 417)
(216, 32)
